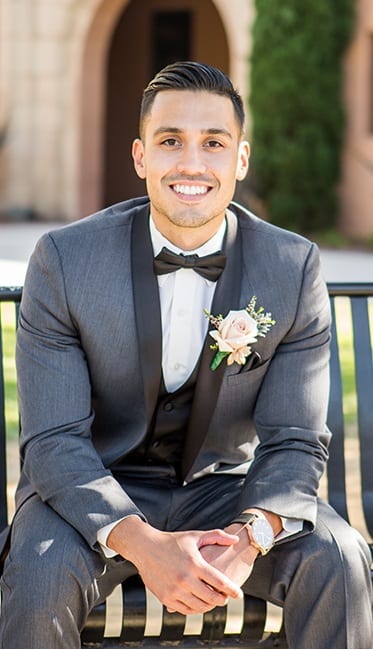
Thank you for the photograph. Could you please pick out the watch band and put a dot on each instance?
(247, 517)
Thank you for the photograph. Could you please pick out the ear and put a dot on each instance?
(243, 160)
(138, 155)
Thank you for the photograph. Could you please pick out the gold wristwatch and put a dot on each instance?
(259, 530)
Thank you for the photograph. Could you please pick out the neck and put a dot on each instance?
(188, 238)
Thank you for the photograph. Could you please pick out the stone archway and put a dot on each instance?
(92, 108)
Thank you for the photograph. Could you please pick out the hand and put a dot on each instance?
(235, 561)
(172, 567)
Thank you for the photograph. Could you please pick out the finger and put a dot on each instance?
(187, 610)
(194, 594)
(202, 598)
(190, 604)
(218, 537)
(220, 582)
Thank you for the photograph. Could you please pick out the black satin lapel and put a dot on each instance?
(147, 309)
(226, 298)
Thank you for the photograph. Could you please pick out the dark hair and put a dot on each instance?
(190, 75)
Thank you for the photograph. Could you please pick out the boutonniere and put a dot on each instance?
(236, 332)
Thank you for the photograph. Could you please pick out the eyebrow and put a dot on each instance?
(207, 131)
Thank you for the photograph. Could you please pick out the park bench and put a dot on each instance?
(141, 620)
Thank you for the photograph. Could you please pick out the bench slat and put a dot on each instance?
(3, 469)
(336, 468)
(12, 295)
(364, 392)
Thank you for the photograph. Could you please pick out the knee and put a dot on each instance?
(355, 556)
(45, 574)
(338, 549)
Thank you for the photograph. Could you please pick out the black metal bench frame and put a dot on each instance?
(254, 610)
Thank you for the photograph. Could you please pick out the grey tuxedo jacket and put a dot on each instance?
(89, 368)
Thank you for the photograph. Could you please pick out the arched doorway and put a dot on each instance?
(127, 42)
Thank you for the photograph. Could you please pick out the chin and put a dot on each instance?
(190, 218)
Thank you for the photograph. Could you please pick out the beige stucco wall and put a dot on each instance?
(40, 83)
(42, 63)
(357, 160)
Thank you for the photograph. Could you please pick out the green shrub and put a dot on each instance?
(296, 107)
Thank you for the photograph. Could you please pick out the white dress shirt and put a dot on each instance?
(184, 295)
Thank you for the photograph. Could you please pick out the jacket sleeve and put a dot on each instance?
(59, 458)
(291, 408)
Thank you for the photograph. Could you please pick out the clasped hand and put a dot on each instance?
(189, 571)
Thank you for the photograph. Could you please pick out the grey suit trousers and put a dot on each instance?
(52, 578)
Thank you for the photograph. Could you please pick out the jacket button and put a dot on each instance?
(168, 406)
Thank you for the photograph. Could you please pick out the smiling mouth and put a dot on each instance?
(190, 190)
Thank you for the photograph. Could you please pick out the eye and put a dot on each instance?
(213, 144)
(170, 142)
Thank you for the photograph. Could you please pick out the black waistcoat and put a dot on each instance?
(165, 439)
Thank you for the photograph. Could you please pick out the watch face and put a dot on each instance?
(262, 533)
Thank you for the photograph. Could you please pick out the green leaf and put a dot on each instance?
(219, 356)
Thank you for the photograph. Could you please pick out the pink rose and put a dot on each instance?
(234, 334)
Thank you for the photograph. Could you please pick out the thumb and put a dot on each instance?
(217, 537)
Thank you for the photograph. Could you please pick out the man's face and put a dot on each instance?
(191, 155)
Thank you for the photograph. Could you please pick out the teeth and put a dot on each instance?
(190, 190)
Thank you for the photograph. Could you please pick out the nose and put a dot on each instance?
(191, 161)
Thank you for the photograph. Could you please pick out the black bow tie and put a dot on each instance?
(210, 267)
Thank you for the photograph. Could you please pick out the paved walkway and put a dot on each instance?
(18, 240)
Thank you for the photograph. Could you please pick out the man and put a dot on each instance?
(143, 448)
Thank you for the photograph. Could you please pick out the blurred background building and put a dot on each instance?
(71, 77)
